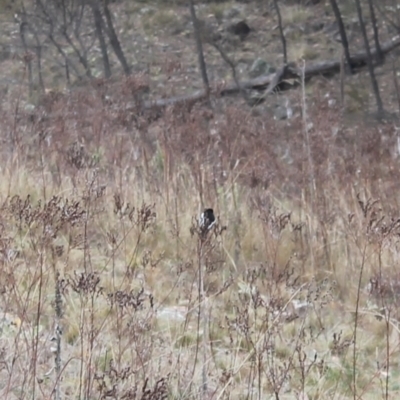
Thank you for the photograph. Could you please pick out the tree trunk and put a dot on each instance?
(39, 63)
(370, 65)
(342, 32)
(98, 22)
(199, 46)
(115, 44)
(379, 55)
(28, 60)
(283, 39)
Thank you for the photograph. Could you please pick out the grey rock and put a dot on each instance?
(147, 11)
(232, 12)
(283, 111)
(29, 108)
(242, 67)
(280, 113)
(5, 53)
(255, 97)
(260, 67)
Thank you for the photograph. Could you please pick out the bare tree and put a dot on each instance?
(374, 81)
(62, 22)
(342, 32)
(107, 26)
(73, 27)
(394, 18)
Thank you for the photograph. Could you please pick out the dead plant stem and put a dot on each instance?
(356, 323)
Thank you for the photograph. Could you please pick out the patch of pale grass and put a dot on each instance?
(163, 19)
(216, 9)
(295, 14)
(303, 51)
(356, 97)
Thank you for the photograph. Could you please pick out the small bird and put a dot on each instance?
(207, 220)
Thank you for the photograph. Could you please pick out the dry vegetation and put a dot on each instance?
(100, 252)
(109, 290)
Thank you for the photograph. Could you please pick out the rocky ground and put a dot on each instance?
(158, 41)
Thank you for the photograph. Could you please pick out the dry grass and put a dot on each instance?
(101, 253)
(295, 14)
(303, 51)
(162, 19)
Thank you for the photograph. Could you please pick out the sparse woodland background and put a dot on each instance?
(121, 121)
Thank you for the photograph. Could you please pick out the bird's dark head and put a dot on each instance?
(207, 219)
(209, 213)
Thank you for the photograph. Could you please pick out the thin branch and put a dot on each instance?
(282, 34)
(199, 46)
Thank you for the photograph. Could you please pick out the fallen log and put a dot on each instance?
(271, 81)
